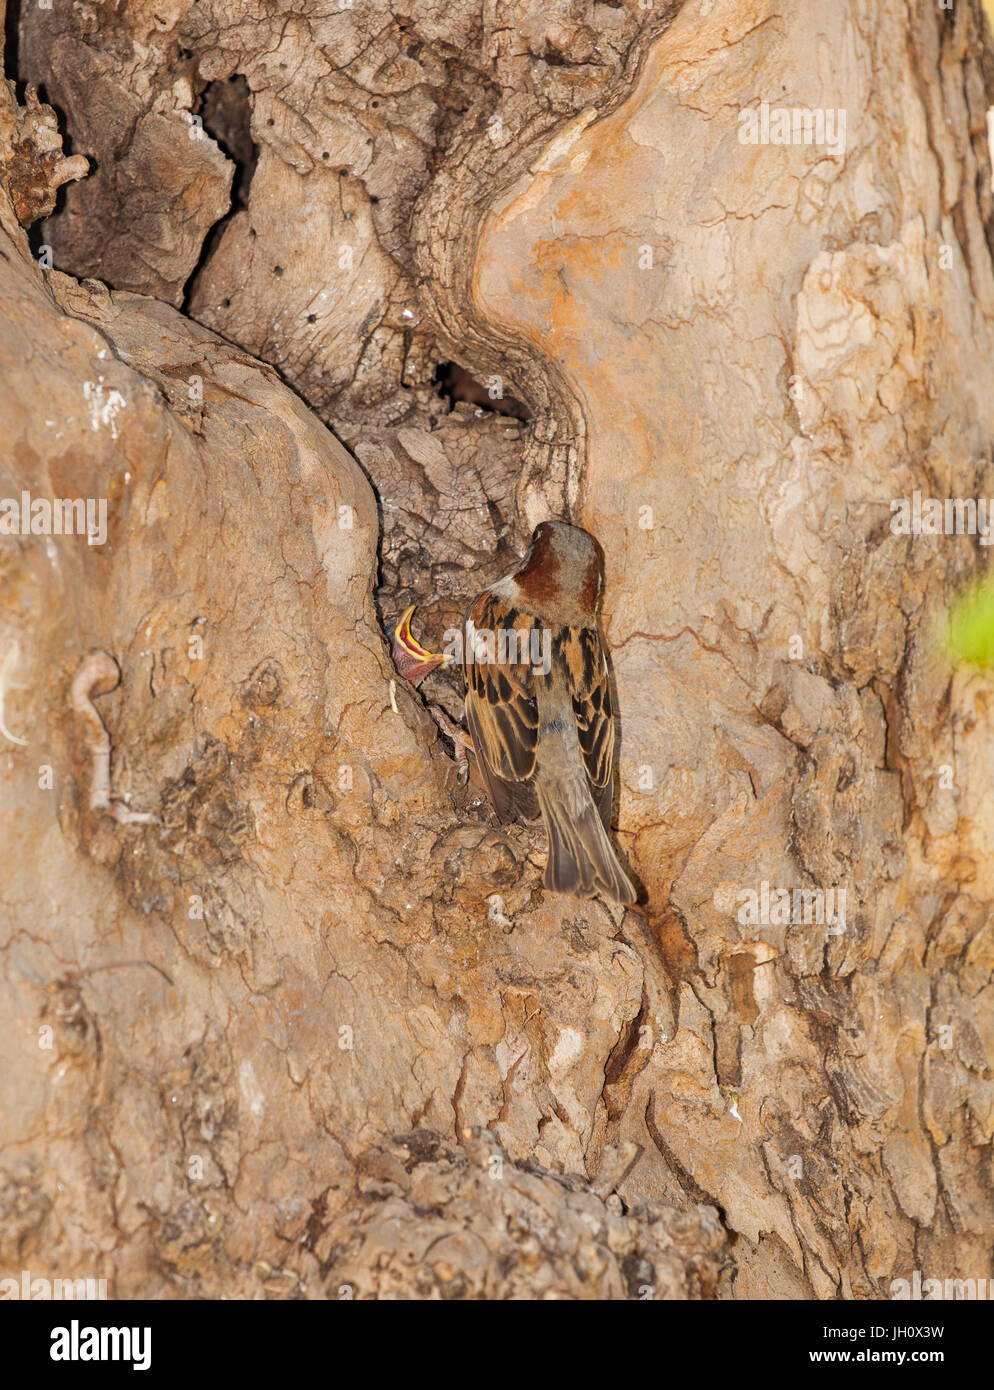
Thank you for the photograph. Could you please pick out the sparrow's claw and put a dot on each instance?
(461, 741)
(410, 658)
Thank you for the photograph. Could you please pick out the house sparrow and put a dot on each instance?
(538, 706)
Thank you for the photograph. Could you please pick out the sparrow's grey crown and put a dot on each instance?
(567, 536)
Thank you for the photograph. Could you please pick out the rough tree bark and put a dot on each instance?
(315, 1022)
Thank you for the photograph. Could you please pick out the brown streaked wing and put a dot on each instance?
(590, 692)
(502, 714)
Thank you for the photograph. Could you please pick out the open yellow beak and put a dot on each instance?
(411, 659)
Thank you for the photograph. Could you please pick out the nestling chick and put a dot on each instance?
(538, 707)
(414, 663)
(410, 658)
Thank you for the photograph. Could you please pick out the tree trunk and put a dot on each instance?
(342, 305)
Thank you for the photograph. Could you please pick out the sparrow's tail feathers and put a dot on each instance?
(581, 857)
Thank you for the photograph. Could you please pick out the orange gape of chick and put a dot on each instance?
(538, 707)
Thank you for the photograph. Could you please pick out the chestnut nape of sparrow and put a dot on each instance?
(538, 707)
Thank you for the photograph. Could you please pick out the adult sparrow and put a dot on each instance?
(538, 706)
